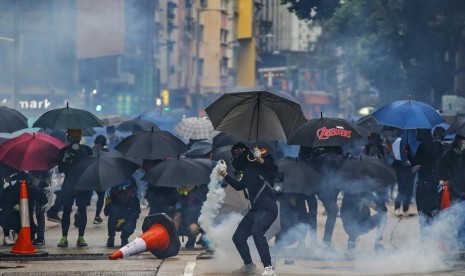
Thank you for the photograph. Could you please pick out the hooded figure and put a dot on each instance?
(425, 163)
(254, 174)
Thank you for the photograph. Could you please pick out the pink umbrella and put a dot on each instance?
(31, 151)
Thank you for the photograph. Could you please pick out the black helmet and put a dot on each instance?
(100, 140)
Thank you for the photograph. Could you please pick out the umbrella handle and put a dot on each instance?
(251, 160)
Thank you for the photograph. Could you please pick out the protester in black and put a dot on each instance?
(67, 157)
(257, 176)
(100, 144)
(357, 219)
(39, 181)
(326, 161)
(191, 200)
(122, 208)
(451, 166)
(425, 162)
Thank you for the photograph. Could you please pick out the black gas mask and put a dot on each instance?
(239, 156)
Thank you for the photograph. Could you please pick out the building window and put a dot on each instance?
(224, 5)
(203, 4)
(200, 34)
(224, 36)
(200, 67)
(224, 67)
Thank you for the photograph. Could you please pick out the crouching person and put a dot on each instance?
(122, 208)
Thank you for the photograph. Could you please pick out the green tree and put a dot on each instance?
(401, 47)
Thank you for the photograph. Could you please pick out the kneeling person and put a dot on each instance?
(122, 208)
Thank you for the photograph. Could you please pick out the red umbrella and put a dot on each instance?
(31, 151)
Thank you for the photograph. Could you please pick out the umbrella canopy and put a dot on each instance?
(112, 120)
(137, 124)
(65, 118)
(151, 145)
(256, 114)
(179, 173)
(225, 139)
(31, 151)
(324, 132)
(11, 120)
(408, 114)
(161, 119)
(458, 127)
(199, 149)
(299, 176)
(367, 125)
(195, 128)
(102, 171)
(364, 174)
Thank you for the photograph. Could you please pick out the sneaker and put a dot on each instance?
(269, 271)
(248, 269)
(397, 212)
(14, 235)
(63, 242)
(406, 214)
(111, 242)
(97, 220)
(8, 240)
(54, 218)
(81, 241)
(38, 242)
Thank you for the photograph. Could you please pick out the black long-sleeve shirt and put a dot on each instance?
(253, 183)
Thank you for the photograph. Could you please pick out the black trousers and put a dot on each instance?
(329, 199)
(128, 227)
(405, 183)
(254, 224)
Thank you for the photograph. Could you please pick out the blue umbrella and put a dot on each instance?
(162, 120)
(408, 114)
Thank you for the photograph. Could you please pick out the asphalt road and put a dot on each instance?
(404, 254)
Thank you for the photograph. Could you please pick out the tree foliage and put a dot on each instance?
(401, 47)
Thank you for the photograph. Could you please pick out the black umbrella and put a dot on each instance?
(225, 139)
(324, 132)
(199, 149)
(256, 114)
(299, 176)
(367, 125)
(102, 171)
(363, 174)
(137, 124)
(151, 145)
(179, 173)
(65, 118)
(11, 120)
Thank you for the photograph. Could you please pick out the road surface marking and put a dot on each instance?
(189, 269)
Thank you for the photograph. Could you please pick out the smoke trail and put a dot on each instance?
(212, 205)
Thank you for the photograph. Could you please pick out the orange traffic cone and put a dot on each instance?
(160, 238)
(23, 245)
(445, 197)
